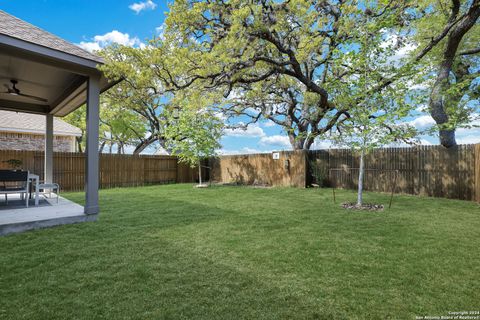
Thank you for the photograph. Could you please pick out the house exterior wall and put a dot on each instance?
(35, 142)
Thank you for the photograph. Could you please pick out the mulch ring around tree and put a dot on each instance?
(365, 206)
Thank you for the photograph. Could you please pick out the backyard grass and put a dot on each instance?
(175, 252)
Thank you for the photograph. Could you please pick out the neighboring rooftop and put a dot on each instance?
(19, 29)
(20, 122)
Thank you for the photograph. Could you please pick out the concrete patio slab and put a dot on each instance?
(15, 217)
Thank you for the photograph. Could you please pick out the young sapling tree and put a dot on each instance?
(377, 116)
(364, 132)
(192, 130)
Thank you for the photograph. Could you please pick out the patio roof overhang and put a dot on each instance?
(56, 76)
(44, 66)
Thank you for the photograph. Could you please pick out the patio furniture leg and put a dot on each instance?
(28, 193)
(37, 196)
(49, 188)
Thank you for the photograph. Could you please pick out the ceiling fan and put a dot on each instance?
(14, 91)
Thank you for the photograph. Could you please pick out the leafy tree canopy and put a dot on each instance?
(119, 126)
(141, 94)
(288, 61)
(447, 33)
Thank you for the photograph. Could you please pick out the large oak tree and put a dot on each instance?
(287, 61)
(448, 35)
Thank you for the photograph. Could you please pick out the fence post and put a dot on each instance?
(306, 161)
(477, 172)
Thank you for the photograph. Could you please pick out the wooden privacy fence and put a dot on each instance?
(423, 170)
(289, 170)
(115, 170)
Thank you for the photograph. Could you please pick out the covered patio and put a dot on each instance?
(44, 74)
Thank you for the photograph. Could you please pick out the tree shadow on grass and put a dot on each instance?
(147, 277)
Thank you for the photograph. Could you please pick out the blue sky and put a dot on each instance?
(92, 24)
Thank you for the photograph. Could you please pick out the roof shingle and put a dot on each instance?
(11, 121)
(16, 28)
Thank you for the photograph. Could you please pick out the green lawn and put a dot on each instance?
(175, 252)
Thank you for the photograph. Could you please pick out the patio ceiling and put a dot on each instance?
(43, 66)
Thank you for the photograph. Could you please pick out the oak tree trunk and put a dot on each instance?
(79, 143)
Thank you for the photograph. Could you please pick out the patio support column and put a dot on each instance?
(48, 167)
(91, 150)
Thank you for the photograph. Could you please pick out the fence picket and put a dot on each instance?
(422, 170)
(116, 170)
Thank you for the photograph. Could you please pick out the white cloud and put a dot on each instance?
(161, 152)
(89, 46)
(221, 116)
(140, 6)
(276, 140)
(469, 139)
(269, 124)
(470, 135)
(403, 52)
(252, 131)
(419, 86)
(463, 135)
(252, 111)
(402, 48)
(421, 108)
(115, 36)
(160, 30)
(425, 142)
(422, 122)
(402, 144)
(245, 150)
(475, 129)
(321, 144)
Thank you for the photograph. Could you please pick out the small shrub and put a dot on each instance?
(318, 173)
(14, 164)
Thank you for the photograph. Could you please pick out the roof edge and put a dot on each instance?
(25, 26)
(34, 48)
(41, 132)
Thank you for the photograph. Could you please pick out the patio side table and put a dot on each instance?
(51, 187)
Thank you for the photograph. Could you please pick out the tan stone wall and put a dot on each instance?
(34, 142)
